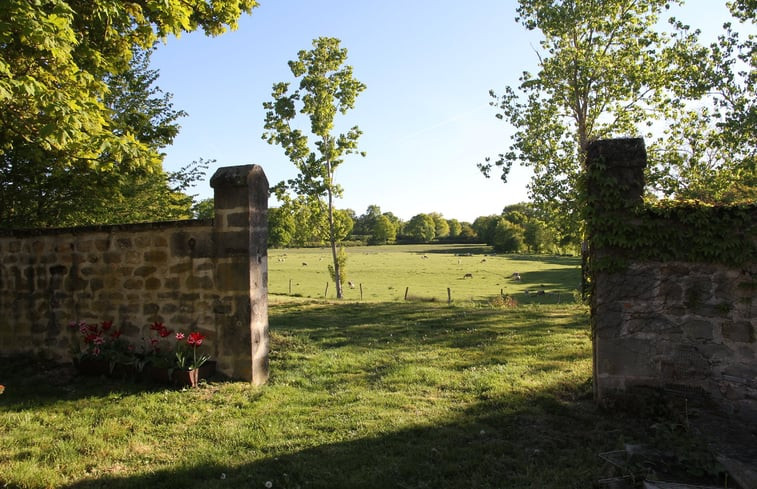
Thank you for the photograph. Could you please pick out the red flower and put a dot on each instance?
(164, 332)
(195, 338)
(115, 334)
(106, 325)
(157, 326)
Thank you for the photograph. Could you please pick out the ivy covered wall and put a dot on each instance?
(673, 286)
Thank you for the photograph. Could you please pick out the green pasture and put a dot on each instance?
(383, 393)
(361, 395)
(426, 272)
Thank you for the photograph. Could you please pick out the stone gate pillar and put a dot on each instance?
(240, 240)
(614, 186)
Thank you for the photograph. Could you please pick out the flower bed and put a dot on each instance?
(165, 356)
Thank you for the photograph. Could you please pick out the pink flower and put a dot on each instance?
(179, 335)
(195, 338)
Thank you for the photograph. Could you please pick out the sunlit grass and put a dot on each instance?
(425, 272)
(361, 395)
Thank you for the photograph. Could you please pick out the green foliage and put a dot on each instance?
(384, 231)
(666, 230)
(421, 227)
(54, 65)
(606, 70)
(484, 227)
(454, 228)
(441, 227)
(708, 153)
(281, 227)
(508, 237)
(326, 86)
(342, 260)
(205, 209)
(42, 188)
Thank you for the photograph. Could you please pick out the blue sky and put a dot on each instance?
(428, 66)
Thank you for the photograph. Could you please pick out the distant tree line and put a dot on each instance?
(519, 228)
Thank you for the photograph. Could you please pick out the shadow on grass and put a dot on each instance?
(513, 444)
(398, 326)
(545, 437)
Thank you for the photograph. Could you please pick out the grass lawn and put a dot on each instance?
(362, 395)
(425, 272)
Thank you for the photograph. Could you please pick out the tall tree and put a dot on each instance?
(44, 187)
(326, 86)
(54, 61)
(709, 153)
(421, 227)
(383, 231)
(604, 71)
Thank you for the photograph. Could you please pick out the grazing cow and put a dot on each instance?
(483, 261)
(468, 275)
(516, 276)
(304, 264)
(351, 285)
(424, 257)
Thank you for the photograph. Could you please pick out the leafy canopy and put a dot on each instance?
(57, 54)
(604, 71)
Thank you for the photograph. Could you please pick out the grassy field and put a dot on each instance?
(385, 273)
(361, 395)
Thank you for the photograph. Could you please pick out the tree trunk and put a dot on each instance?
(332, 240)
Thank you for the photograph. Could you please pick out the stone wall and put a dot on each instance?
(669, 324)
(208, 276)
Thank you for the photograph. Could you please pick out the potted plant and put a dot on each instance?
(190, 366)
(102, 347)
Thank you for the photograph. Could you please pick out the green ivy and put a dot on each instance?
(666, 230)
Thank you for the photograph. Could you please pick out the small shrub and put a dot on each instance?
(504, 301)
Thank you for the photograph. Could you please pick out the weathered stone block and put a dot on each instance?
(232, 276)
(179, 268)
(96, 284)
(238, 219)
(133, 283)
(698, 329)
(195, 244)
(145, 271)
(101, 244)
(193, 283)
(172, 283)
(232, 243)
(123, 243)
(740, 332)
(152, 283)
(155, 256)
